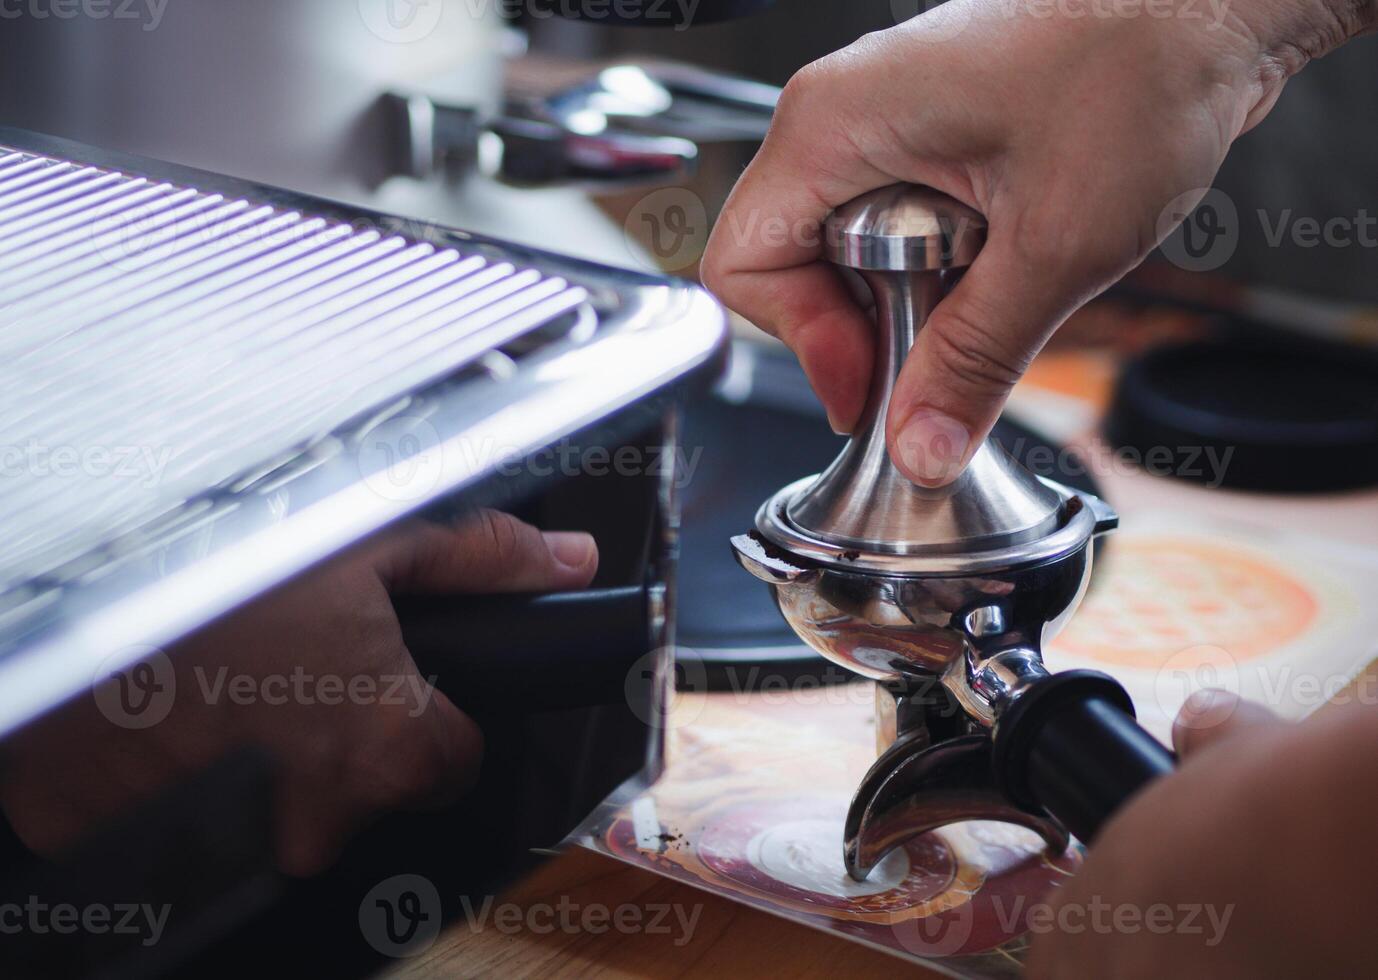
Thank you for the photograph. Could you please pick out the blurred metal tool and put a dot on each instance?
(625, 126)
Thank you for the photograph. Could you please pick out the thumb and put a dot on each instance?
(977, 343)
(1212, 715)
(490, 552)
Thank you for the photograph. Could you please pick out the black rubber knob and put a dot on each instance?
(1071, 747)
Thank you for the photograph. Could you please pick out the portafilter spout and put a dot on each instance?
(946, 596)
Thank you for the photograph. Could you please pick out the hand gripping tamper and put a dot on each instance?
(945, 597)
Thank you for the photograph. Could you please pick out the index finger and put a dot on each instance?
(765, 261)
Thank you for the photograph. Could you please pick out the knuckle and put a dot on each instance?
(804, 86)
(713, 271)
(39, 834)
(827, 76)
(399, 767)
(1100, 253)
(873, 43)
(428, 767)
(1044, 238)
(503, 537)
(972, 352)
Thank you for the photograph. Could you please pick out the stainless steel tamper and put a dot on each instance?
(945, 597)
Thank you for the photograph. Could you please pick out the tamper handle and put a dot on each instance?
(901, 239)
(1070, 746)
(908, 243)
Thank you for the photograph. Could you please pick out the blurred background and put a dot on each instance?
(292, 97)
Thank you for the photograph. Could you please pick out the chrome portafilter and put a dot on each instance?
(945, 597)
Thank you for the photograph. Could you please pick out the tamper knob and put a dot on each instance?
(905, 228)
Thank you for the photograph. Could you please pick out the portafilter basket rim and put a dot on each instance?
(1084, 516)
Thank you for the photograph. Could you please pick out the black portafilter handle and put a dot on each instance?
(563, 650)
(1070, 746)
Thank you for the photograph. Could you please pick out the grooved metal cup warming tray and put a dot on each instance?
(210, 385)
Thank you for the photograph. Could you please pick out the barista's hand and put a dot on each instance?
(1251, 860)
(1073, 135)
(318, 676)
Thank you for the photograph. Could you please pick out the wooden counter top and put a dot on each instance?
(726, 939)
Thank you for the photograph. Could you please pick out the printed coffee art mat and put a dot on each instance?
(1282, 617)
(753, 803)
(752, 808)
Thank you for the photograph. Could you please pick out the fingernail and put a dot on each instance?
(1207, 708)
(573, 549)
(1208, 699)
(931, 448)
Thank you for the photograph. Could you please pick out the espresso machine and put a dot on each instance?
(944, 597)
(313, 376)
